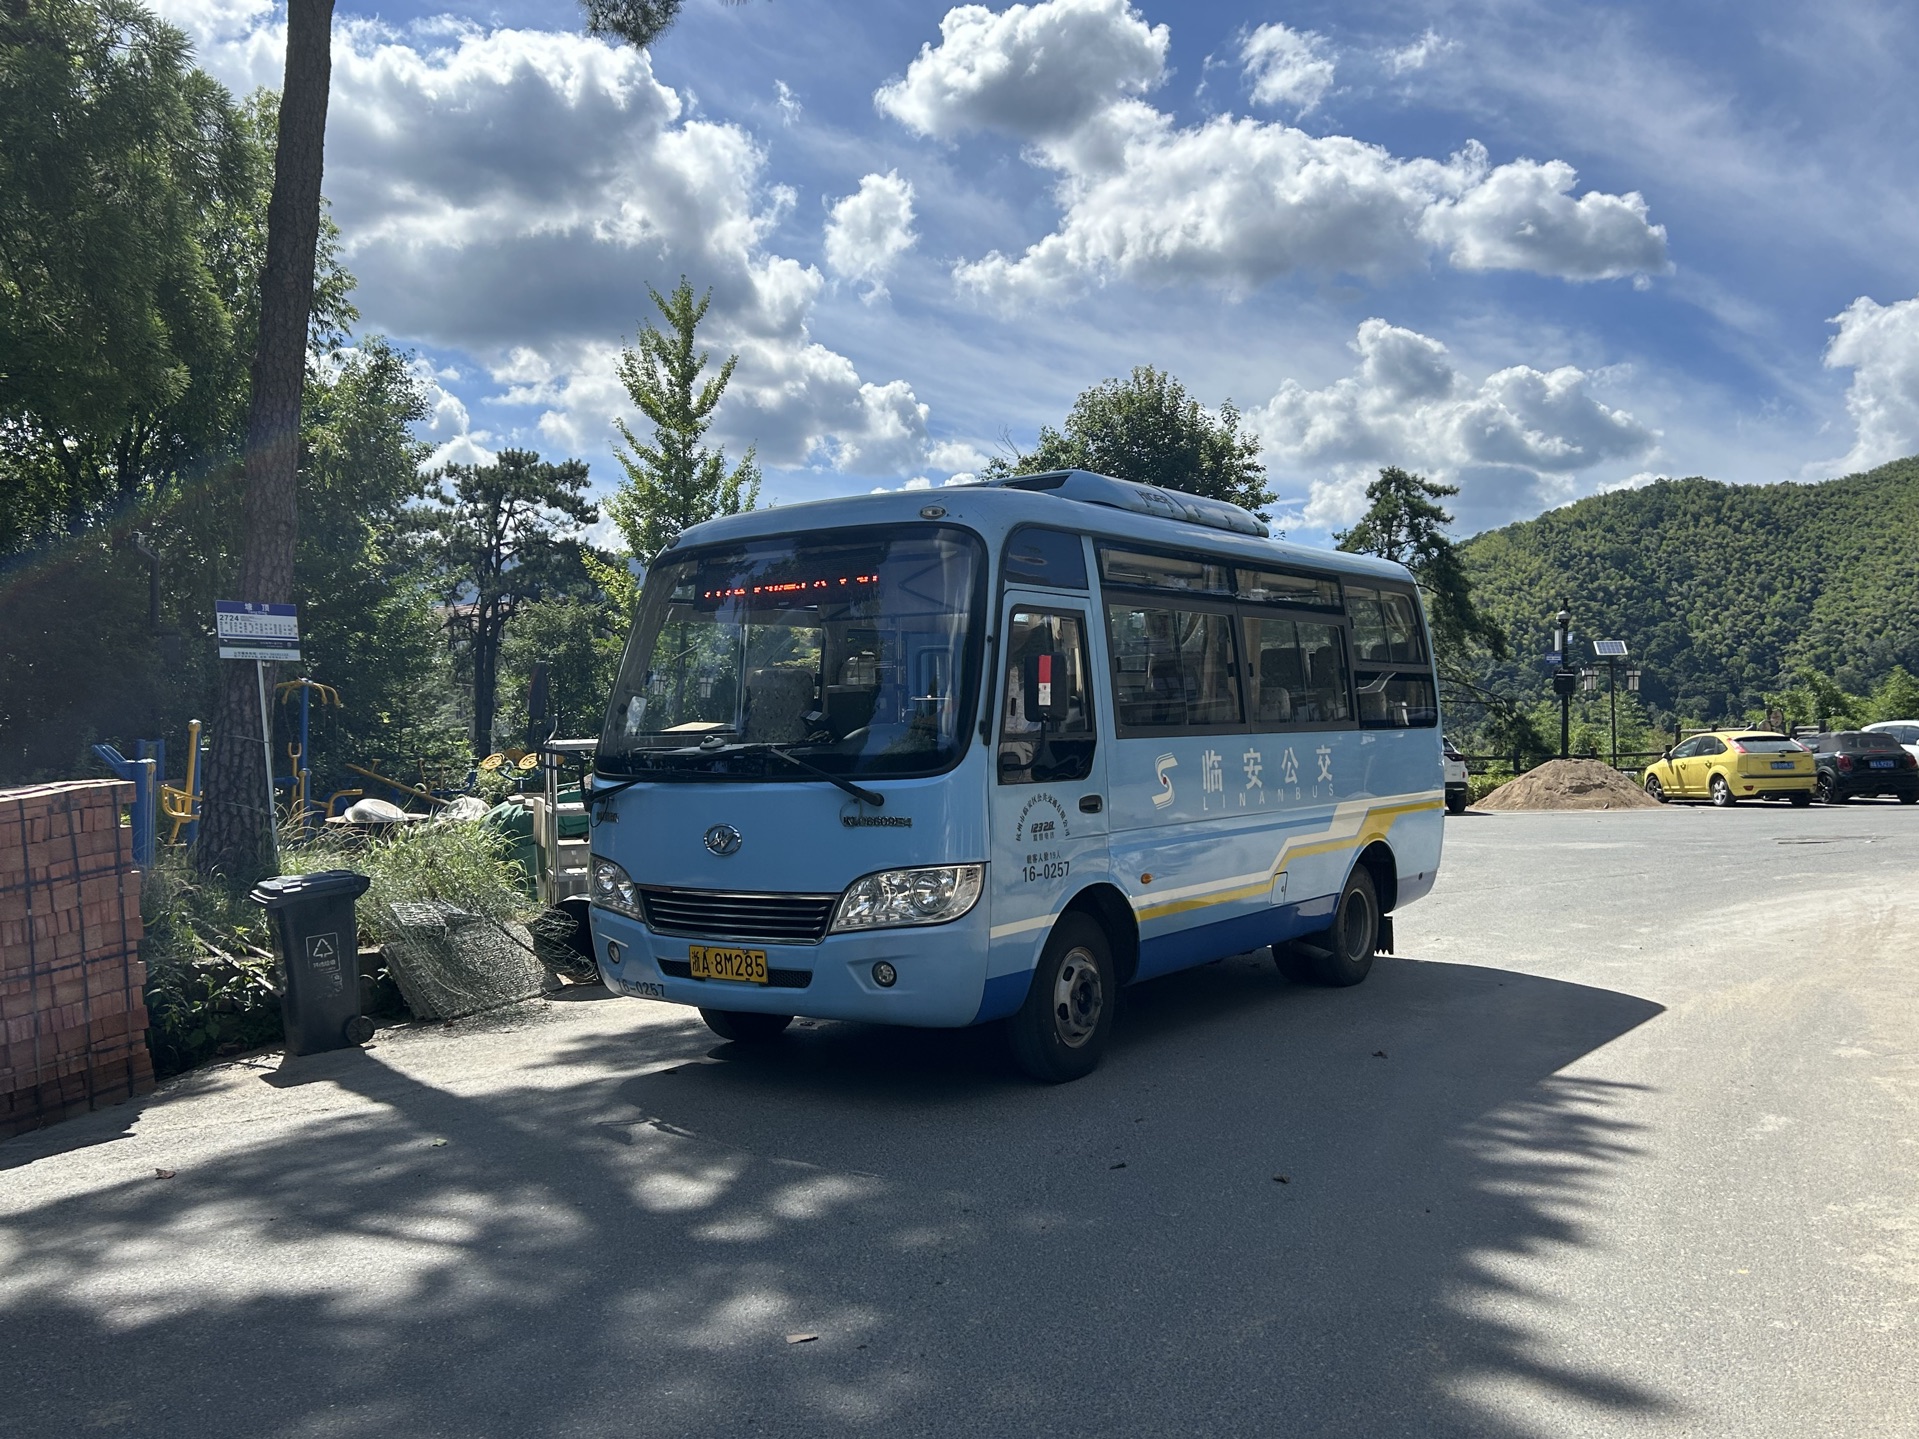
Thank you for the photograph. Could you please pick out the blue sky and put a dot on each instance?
(1538, 251)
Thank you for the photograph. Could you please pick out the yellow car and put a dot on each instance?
(1728, 765)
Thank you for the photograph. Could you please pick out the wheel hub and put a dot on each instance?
(1078, 998)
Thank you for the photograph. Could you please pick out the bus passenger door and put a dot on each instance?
(1049, 800)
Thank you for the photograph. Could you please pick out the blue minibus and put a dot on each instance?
(993, 752)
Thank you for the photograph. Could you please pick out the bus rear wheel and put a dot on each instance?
(744, 1027)
(1343, 954)
(1061, 1032)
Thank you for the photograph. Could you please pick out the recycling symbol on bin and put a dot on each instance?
(323, 967)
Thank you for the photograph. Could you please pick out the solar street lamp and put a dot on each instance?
(1612, 652)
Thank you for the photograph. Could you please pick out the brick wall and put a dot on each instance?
(72, 1022)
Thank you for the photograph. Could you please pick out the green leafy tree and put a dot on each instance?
(676, 481)
(575, 637)
(503, 534)
(1896, 697)
(1814, 699)
(1148, 429)
(365, 579)
(365, 594)
(133, 197)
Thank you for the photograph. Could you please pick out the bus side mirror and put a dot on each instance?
(538, 731)
(1043, 677)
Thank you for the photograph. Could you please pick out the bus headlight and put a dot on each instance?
(909, 896)
(613, 889)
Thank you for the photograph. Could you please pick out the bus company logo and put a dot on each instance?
(723, 840)
(1047, 825)
(1160, 767)
(859, 819)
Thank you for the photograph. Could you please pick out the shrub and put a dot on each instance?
(463, 863)
(212, 975)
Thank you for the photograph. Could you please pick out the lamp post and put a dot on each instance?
(1564, 676)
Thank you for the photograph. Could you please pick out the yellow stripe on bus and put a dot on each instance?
(1374, 823)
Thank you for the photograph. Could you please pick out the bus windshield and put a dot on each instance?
(846, 648)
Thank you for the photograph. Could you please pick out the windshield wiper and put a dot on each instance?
(859, 791)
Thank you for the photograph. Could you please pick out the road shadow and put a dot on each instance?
(614, 1252)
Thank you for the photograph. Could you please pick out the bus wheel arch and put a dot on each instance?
(1379, 862)
(1109, 909)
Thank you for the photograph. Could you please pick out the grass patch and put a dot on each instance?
(213, 976)
(464, 864)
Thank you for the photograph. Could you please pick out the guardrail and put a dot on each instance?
(1519, 765)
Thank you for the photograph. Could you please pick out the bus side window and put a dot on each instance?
(1370, 641)
(1175, 667)
(1297, 675)
(1402, 627)
(1046, 724)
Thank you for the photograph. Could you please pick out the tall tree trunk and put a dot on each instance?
(486, 681)
(236, 831)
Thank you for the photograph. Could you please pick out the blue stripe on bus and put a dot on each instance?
(1182, 949)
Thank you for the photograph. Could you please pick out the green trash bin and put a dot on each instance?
(318, 934)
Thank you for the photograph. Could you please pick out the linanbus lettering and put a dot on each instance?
(877, 821)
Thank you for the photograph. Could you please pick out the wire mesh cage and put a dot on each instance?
(449, 962)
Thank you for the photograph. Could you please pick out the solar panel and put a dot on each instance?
(1614, 649)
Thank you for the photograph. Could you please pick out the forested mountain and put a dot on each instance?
(1723, 592)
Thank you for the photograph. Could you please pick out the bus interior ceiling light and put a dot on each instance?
(1089, 488)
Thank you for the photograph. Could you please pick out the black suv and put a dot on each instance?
(1853, 763)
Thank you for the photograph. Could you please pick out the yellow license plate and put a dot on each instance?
(748, 966)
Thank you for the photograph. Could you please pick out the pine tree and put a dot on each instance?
(676, 481)
(1407, 524)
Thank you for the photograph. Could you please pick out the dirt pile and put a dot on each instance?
(1569, 784)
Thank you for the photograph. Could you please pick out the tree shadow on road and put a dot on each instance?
(627, 1254)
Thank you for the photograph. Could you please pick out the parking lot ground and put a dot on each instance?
(1625, 1140)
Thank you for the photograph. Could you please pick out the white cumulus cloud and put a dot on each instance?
(1513, 441)
(510, 195)
(1233, 202)
(867, 231)
(1287, 67)
(1880, 345)
(1035, 72)
(1522, 216)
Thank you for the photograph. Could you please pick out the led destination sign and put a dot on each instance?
(783, 588)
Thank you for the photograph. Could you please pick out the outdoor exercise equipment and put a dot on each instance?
(302, 776)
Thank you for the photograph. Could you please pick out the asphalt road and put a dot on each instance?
(1626, 1141)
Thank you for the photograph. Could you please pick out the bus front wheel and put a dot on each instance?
(1344, 953)
(743, 1027)
(1061, 1031)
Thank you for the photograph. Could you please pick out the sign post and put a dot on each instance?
(261, 633)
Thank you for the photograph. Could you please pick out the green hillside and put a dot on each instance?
(1722, 591)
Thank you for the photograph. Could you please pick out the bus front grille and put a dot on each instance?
(719, 914)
